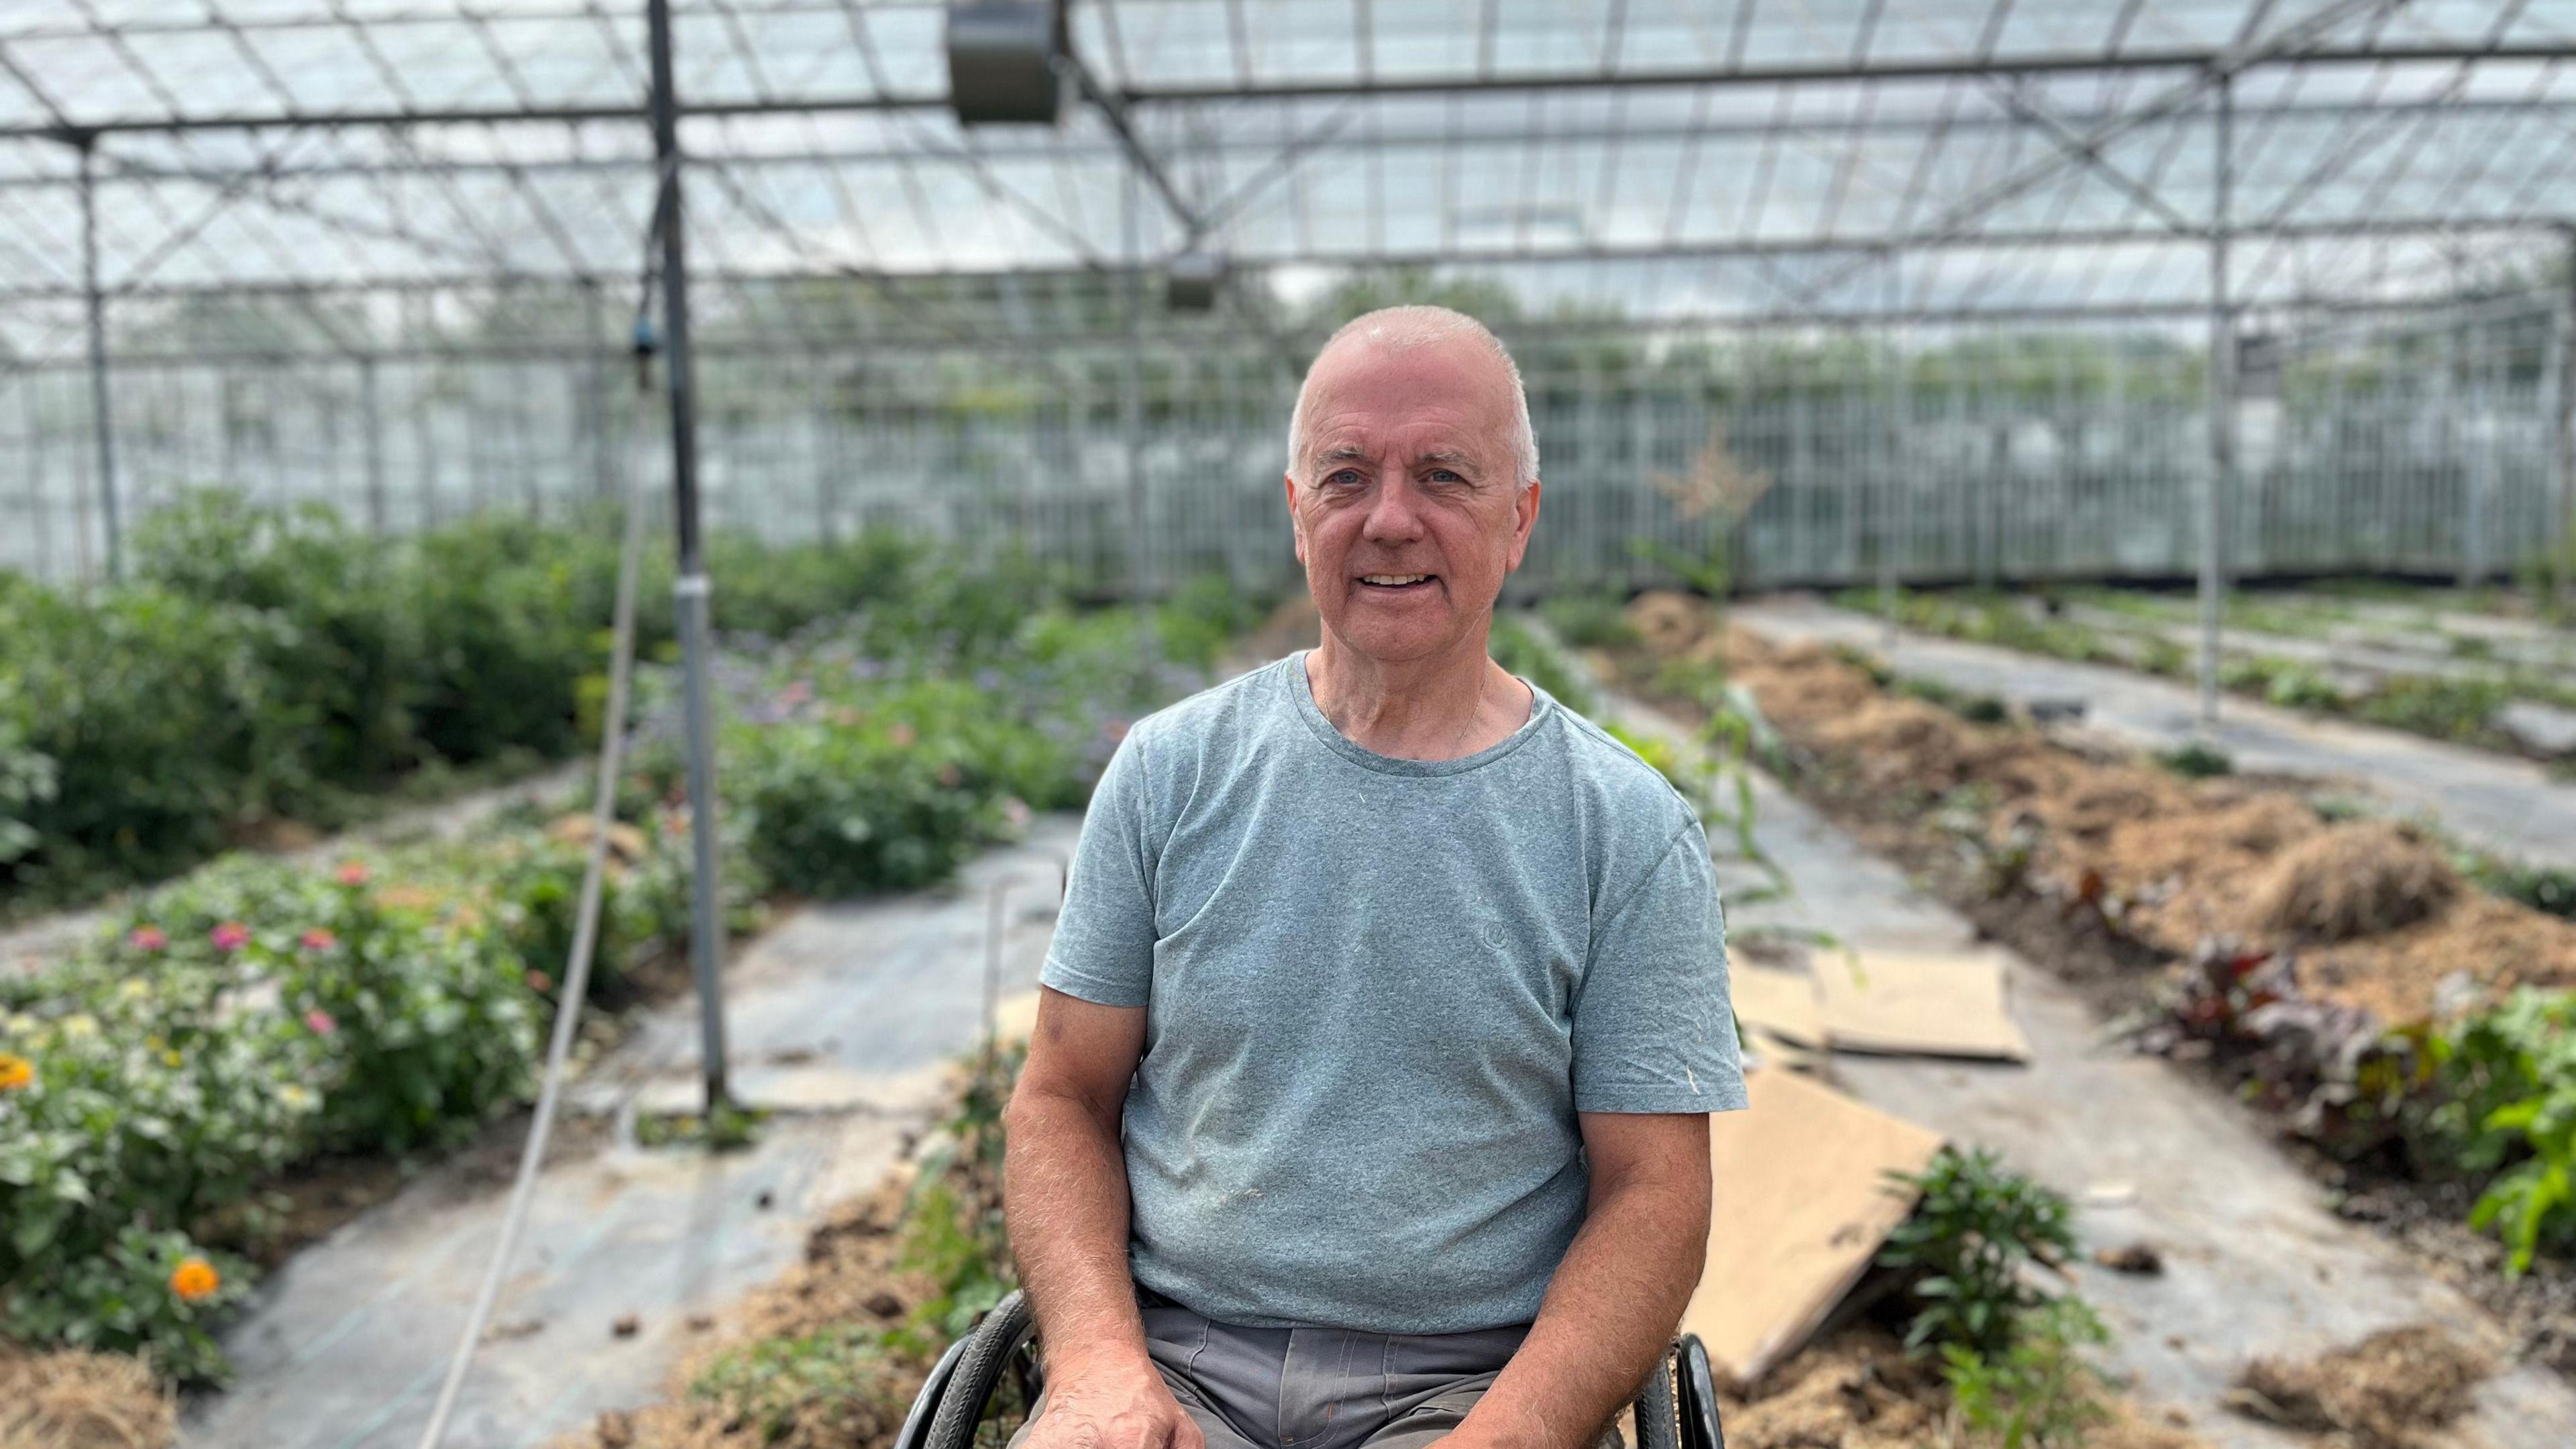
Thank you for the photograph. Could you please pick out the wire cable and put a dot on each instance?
(576, 978)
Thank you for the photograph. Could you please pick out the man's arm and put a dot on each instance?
(1615, 1300)
(1064, 1193)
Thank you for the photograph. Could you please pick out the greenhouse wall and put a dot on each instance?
(2014, 463)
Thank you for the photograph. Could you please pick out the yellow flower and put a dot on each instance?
(133, 988)
(195, 1278)
(15, 1072)
(170, 1059)
(80, 1024)
(154, 1043)
(295, 1096)
(21, 1024)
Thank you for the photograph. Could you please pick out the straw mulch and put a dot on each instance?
(76, 1400)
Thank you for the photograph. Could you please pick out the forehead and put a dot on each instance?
(1449, 393)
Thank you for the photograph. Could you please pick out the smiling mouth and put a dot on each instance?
(1397, 583)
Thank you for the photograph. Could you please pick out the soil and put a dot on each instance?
(2385, 1392)
(2191, 862)
(76, 1400)
(2376, 919)
(1855, 1389)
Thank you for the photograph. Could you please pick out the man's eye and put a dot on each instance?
(1443, 475)
(1346, 475)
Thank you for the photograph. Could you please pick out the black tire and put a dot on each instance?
(925, 1404)
(1696, 1396)
(1658, 1425)
(990, 1351)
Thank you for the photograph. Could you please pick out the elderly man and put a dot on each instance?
(1368, 1098)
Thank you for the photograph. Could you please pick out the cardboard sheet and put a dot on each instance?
(1920, 1004)
(1802, 1205)
(1781, 1002)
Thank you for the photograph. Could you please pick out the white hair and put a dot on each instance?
(1401, 329)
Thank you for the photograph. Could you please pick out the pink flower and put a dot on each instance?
(230, 936)
(902, 734)
(539, 981)
(147, 938)
(795, 694)
(351, 872)
(317, 939)
(950, 775)
(320, 1021)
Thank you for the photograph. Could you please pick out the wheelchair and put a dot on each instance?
(982, 1389)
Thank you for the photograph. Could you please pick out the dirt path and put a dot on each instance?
(2504, 806)
(2254, 1261)
(841, 1020)
(28, 944)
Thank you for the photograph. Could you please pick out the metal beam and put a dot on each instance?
(1818, 73)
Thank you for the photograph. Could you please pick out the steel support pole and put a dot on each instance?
(706, 906)
(1890, 460)
(2562, 551)
(2219, 486)
(373, 413)
(95, 299)
(1140, 554)
(603, 468)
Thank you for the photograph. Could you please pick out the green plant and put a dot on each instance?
(1976, 1226)
(953, 1229)
(731, 1127)
(833, 1380)
(2197, 760)
(2039, 1392)
(1589, 621)
(2506, 1106)
(1517, 649)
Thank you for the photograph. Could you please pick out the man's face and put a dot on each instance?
(1406, 475)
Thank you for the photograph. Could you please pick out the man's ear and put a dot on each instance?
(1524, 519)
(1296, 525)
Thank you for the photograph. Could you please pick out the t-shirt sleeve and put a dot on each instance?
(1104, 937)
(1654, 1030)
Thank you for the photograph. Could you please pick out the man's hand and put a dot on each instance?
(1102, 1406)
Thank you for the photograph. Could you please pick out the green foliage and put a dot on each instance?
(1589, 621)
(1202, 617)
(839, 1375)
(1974, 708)
(840, 807)
(731, 1127)
(121, 1299)
(953, 1229)
(2445, 709)
(1515, 648)
(1976, 1225)
(2038, 1393)
(2544, 888)
(2506, 1081)
(2197, 760)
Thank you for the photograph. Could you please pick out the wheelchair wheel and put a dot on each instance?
(1658, 1424)
(995, 1381)
(1695, 1396)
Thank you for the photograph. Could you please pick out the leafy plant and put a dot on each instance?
(2197, 760)
(1589, 621)
(834, 1380)
(729, 1128)
(2039, 1393)
(2507, 1080)
(1975, 1229)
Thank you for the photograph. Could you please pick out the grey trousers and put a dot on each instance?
(1318, 1388)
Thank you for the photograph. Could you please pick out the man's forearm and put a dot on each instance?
(1608, 1317)
(1065, 1197)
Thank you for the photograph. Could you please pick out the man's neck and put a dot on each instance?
(1443, 707)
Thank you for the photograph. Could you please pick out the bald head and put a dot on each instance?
(1420, 328)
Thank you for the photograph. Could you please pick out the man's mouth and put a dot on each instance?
(1398, 583)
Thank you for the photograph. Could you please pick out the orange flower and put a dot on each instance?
(195, 1278)
(15, 1071)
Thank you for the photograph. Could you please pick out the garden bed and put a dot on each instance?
(240, 1060)
(2466, 685)
(2333, 972)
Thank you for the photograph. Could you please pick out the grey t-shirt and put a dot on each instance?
(1377, 992)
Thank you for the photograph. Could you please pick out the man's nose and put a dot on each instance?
(1393, 514)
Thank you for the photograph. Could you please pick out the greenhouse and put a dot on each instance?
(569, 569)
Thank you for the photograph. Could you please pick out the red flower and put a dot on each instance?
(320, 1021)
(317, 939)
(539, 981)
(351, 872)
(147, 938)
(230, 936)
